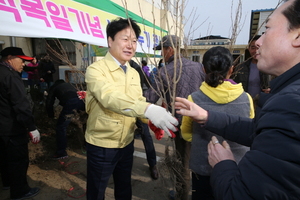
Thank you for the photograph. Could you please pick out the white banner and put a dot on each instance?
(64, 19)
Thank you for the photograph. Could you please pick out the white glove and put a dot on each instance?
(35, 136)
(161, 118)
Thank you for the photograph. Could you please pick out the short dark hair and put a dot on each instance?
(217, 62)
(292, 13)
(119, 24)
(59, 81)
(256, 37)
(144, 62)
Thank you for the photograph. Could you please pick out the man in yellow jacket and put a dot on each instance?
(113, 101)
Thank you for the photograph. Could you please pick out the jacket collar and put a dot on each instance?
(280, 83)
(285, 79)
(112, 63)
(7, 65)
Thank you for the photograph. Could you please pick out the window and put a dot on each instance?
(196, 58)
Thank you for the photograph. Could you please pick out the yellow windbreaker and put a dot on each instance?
(113, 101)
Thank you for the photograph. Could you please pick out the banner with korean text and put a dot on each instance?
(77, 20)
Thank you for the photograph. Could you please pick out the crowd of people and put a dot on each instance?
(233, 147)
(37, 76)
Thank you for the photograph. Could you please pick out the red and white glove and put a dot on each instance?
(81, 94)
(159, 133)
(161, 118)
(35, 136)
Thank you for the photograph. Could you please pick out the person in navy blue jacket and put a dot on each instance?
(271, 169)
(144, 129)
(66, 93)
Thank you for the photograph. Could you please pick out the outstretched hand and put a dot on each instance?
(218, 152)
(190, 109)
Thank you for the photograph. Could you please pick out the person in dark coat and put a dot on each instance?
(66, 93)
(144, 129)
(154, 73)
(16, 122)
(46, 70)
(271, 169)
(254, 82)
(189, 76)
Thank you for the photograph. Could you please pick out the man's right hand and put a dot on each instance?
(159, 133)
(161, 118)
(190, 109)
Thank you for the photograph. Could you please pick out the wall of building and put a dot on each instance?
(258, 18)
(24, 43)
(262, 18)
(4, 42)
(193, 52)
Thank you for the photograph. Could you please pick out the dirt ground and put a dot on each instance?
(66, 179)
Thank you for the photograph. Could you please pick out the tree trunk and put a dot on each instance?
(183, 180)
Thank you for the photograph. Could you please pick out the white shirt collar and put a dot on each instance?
(116, 60)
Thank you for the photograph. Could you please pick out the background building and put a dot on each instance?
(258, 17)
(197, 47)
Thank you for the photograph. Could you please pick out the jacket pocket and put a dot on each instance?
(109, 128)
(135, 90)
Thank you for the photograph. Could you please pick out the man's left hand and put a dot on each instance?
(35, 136)
(218, 152)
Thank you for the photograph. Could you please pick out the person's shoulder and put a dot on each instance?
(244, 63)
(197, 92)
(96, 64)
(292, 88)
(134, 65)
(5, 70)
(103, 65)
(154, 70)
(190, 62)
(3, 67)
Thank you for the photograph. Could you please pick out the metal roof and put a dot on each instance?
(211, 37)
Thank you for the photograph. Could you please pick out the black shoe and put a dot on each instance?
(172, 194)
(154, 172)
(32, 192)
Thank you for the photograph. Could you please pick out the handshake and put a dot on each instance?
(160, 121)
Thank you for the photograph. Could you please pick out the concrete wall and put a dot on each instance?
(201, 49)
(24, 43)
